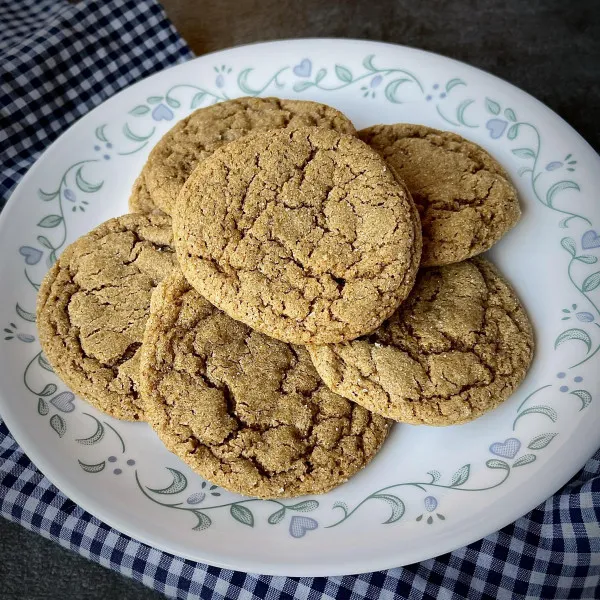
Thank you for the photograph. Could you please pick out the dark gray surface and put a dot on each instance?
(550, 49)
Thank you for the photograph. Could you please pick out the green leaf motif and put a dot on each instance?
(541, 410)
(342, 505)
(50, 221)
(154, 99)
(43, 362)
(591, 282)
(573, 334)
(559, 186)
(541, 441)
(27, 316)
(368, 63)
(492, 106)
(320, 75)
(44, 241)
(343, 73)
(509, 113)
(277, 516)
(243, 84)
(453, 83)
(435, 475)
(45, 196)
(460, 112)
(494, 463)
(43, 408)
(178, 484)
(204, 521)
(48, 390)
(524, 170)
(460, 476)
(564, 223)
(92, 468)
(197, 99)
(584, 396)
(524, 152)
(58, 424)
(100, 133)
(95, 437)
(305, 506)
(242, 514)
(391, 89)
(140, 110)
(513, 131)
(394, 503)
(173, 103)
(587, 259)
(524, 460)
(302, 85)
(134, 137)
(569, 245)
(86, 186)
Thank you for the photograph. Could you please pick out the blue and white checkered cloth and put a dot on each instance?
(57, 61)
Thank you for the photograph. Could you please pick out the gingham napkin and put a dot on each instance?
(58, 61)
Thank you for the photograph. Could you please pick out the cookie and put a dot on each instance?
(197, 136)
(464, 197)
(303, 235)
(93, 306)
(140, 200)
(247, 412)
(458, 347)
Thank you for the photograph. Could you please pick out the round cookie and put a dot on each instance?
(93, 306)
(247, 412)
(456, 348)
(140, 200)
(303, 235)
(197, 136)
(464, 197)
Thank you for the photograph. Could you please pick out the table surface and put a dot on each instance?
(547, 47)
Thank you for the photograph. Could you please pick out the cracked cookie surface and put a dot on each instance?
(304, 235)
(247, 412)
(457, 347)
(93, 306)
(197, 136)
(465, 200)
(140, 200)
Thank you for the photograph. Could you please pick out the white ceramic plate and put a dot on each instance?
(430, 490)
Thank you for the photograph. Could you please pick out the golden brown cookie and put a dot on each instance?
(458, 347)
(140, 200)
(464, 197)
(197, 136)
(303, 235)
(93, 306)
(247, 412)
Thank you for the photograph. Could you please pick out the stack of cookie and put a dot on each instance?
(263, 306)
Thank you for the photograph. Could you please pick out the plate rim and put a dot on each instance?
(363, 565)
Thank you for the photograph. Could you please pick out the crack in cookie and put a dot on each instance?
(456, 348)
(247, 412)
(304, 235)
(464, 197)
(93, 306)
(196, 137)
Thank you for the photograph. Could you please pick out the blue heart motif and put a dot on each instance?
(300, 525)
(496, 127)
(304, 69)
(32, 255)
(506, 449)
(64, 401)
(590, 239)
(162, 113)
